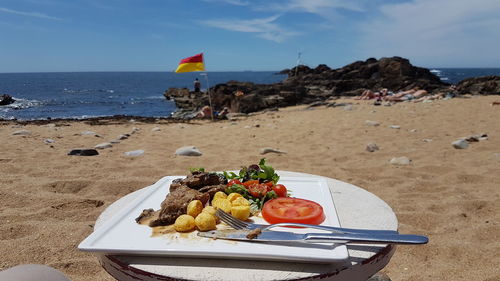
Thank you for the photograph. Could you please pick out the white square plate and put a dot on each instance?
(122, 235)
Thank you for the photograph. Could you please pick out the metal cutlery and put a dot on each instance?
(258, 235)
(239, 224)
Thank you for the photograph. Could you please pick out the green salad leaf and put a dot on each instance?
(201, 169)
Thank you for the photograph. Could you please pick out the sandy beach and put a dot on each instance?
(50, 200)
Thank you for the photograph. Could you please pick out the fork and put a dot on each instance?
(239, 224)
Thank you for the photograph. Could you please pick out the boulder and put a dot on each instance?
(6, 99)
(485, 85)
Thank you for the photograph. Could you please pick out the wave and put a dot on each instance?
(435, 71)
(22, 104)
(154, 98)
(81, 91)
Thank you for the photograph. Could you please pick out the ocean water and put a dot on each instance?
(97, 94)
(455, 75)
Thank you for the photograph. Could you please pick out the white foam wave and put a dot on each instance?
(154, 98)
(80, 91)
(22, 103)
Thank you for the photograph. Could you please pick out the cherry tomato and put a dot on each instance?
(280, 190)
(257, 190)
(269, 185)
(233, 181)
(250, 182)
(295, 210)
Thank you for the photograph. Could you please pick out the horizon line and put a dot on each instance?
(173, 71)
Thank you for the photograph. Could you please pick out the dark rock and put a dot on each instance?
(83, 152)
(306, 85)
(6, 99)
(485, 85)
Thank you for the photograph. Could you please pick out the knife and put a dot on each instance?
(341, 238)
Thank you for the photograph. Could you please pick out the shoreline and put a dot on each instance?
(119, 119)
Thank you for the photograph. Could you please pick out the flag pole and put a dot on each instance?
(209, 98)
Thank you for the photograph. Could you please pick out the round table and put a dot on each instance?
(356, 208)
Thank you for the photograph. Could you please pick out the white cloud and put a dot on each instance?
(28, 14)
(436, 33)
(231, 2)
(265, 28)
(324, 8)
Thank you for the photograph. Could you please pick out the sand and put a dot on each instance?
(50, 201)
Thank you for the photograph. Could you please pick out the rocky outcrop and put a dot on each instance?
(392, 73)
(486, 85)
(305, 85)
(6, 99)
(252, 97)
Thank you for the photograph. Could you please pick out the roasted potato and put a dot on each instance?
(209, 210)
(240, 201)
(240, 212)
(219, 195)
(232, 196)
(194, 208)
(184, 223)
(223, 204)
(205, 222)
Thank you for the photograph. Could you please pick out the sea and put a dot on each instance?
(79, 95)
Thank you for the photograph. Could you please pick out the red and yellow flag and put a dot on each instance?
(194, 63)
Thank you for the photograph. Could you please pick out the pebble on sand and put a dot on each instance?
(379, 277)
(476, 138)
(400, 161)
(134, 153)
(372, 123)
(83, 152)
(460, 144)
(103, 145)
(266, 150)
(90, 133)
(372, 147)
(123, 137)
(188, 151)
(22, 133)
(395, 127)
(348, 107)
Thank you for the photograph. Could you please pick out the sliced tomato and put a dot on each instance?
(257, 190)
(280, 190)
(294, 210)
(250, 182)
(233, 181)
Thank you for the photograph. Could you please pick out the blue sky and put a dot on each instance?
(153, 35)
